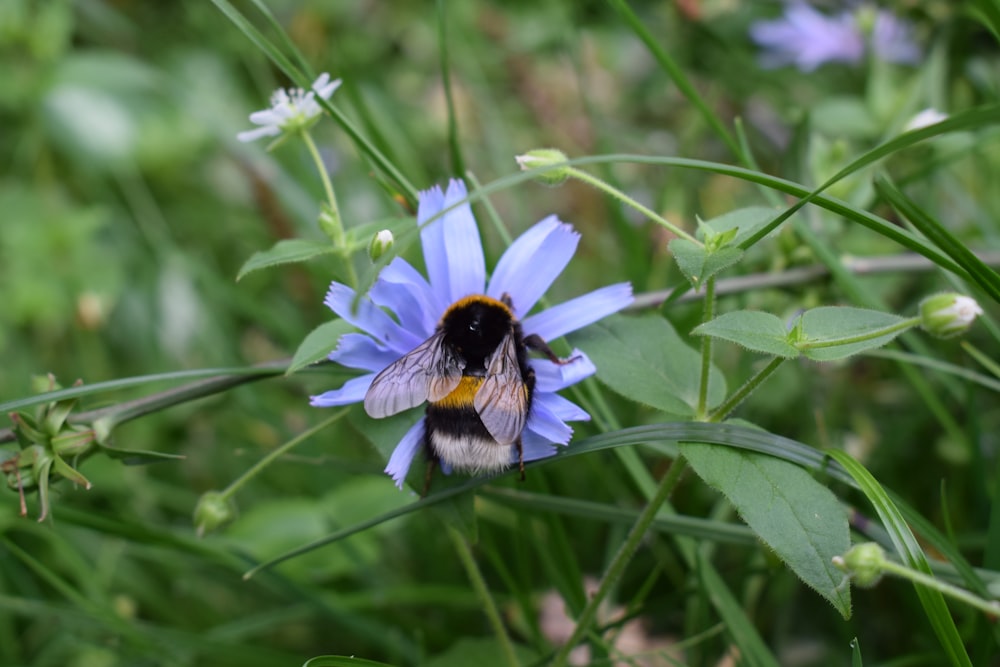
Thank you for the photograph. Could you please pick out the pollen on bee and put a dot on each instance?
(464, 394)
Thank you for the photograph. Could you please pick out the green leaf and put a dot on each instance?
(342, 661)
(911, 555)
(821, 328)
(318, 344)
(796, 516)
(745, 220)
(983, 275)
(643, 358)
(698, 263)
(481, 652)
(286, 251)
(753, 329)
(139, 456)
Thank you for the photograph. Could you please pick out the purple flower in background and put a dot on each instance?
(453, 255)
(806, 38)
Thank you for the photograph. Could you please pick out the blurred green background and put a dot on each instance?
(127, 208)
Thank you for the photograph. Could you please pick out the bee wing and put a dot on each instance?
(502, 399)
(429, 371)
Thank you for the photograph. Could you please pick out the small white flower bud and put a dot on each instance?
(948, 315)
(381, 242)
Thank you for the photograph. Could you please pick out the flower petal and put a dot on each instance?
(533, 262)
(354, 390)
(579, 312)
(257, 133)
(561, 407)
(466, 265)
(402, 289)
(546, 424)
(364, 352)
(453, 251)
(369, 318)
(534, 447)
(402, 455)
(550, 376)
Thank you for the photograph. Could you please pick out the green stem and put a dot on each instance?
(331, 197)
(748, 387)
(252, 472)
(337, 226)
(625, 199)
(621, 559)
(483, 594)
(708, 312)
(991, 607)
(860, 338)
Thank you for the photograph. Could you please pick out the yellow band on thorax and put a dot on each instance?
(463, 395)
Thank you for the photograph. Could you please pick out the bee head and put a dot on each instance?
(476, 326)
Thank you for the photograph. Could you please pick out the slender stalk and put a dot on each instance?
(254, 470)
(331, 197)
(625, 199)
(748, 387)
(337, 226)
(621, 559)
(860, 338)
(708, 312)
(483, 594)
(991, 607)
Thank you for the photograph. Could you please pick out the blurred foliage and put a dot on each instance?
(128, 207)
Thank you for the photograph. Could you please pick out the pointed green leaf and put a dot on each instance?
(822, 328)
(318, 344)
(644, 359)
(138, 456)
(286, 251)
(698, 264)
(796, 516)
(746, 222)
(342, 661)
(753, 329)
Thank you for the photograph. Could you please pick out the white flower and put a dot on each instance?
(291, 110)
(928, 116)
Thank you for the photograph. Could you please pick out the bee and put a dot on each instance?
(473, 371)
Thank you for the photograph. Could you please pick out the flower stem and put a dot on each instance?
(621, 559)
(253, 471)
(991, 607)
(625, 199)
(748, 387)
(332, 224)
(708, 312)
(331, 197)
(483, 593)
(860, 338)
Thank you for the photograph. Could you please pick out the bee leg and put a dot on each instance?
(431, 463)
(520, 458)
(535, 342)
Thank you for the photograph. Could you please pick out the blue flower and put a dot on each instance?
(456, 268)
(807, 39)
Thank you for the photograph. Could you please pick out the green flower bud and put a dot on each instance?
(552, 159)
(329, 224)
(214, 509)
(381, 242)
(863, 563)
(948, 315)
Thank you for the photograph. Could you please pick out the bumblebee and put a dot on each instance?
(474, 373)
